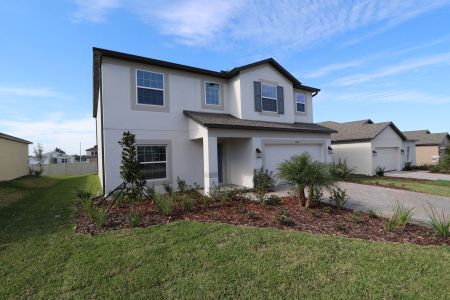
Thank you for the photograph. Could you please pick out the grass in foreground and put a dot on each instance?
(42, 257)
(436, 187)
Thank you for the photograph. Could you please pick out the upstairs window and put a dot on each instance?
(152, 161)
(269, 97)
(150, 88)
(212, 90)
(300, 102)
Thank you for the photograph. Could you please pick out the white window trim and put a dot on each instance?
(296, 102)
(220, 100)
(148, 88)
(155, 162)
(276, 98)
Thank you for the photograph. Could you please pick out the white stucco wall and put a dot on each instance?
(99, 138)
(412, 153)
(357, 155)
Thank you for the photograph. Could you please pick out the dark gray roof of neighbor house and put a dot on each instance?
(13, 138)
(227, 121)
(357, 131)
(425, 137)
(98, 53)
(92, 148)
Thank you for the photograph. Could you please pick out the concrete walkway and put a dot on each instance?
(382, 200)
(418, 175)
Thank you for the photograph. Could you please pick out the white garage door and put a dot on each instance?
(275, 153)
(387, 158)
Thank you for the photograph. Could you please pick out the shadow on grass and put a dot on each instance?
(46, 205)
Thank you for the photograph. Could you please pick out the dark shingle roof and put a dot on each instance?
(425, 137)
(221, 120)
(99, 53)
(13, 138)
(362, 130)
(92, 148)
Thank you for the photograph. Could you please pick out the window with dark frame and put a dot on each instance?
(152, 161)
(269, 97)
(212, 93)
(150, 88)
(300, 102)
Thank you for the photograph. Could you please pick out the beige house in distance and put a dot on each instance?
(13, 157)
(429, 146)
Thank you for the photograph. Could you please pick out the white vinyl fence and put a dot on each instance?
(69, 169)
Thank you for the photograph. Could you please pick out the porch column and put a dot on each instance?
(210, 164)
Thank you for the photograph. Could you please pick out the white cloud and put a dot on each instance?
(281, 24)
(394, 69)
(385, 96)
(94, 11)
(28, 92)
(334, 67)
(56, 130)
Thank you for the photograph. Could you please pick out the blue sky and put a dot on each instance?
(384, 60)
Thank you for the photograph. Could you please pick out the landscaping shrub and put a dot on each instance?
(252, 215)
(356, 216)
(272, 200)
(168, 189)
(317, 194)
(379, 171)
(134, 218)
(440, 223)
(181, 185)
(338, 197)
(327, 209)
(187, 203)
(283, 217)
(402, 215)
(164, 203)
(83, 195)
(408, 166)
(390, 225)
(341, 171)
(263, 182)
(372, 214)
(98, 215)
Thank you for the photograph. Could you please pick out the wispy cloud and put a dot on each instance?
(386, 96)
(284, 24)
(94, 11)
(394, 69)
(58, 130)
(335, 67)
(10, 91)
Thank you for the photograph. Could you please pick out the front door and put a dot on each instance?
(219, 161)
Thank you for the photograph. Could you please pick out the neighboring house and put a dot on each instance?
(13, 157)
(56, 156)
(366, 145)
(429, 146)
(203, 126)
(91, 154)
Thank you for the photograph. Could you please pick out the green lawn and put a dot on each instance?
(436, 187)
(42, 257)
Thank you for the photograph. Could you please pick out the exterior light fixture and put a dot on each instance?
(258, 153)
(402, 152)
(330, 150)
(374, 153)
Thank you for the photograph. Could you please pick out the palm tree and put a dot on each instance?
(302, 172)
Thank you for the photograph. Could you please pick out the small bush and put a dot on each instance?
(390, 225)
(317, 194)
(356, 216)
(262, 182)
(327, 209)
(379, 171)
(98, 215)
(272, 200)
(338, 197)
(181, 185)
(252, 215)
(284, 218)
(402, 215)
(439, 223)
(100, 218)
(408, 166)
(168, 189)
(83, 195)
(164, 203)
(134, 218)
(187, 203)
(206, 201)
(341, 171)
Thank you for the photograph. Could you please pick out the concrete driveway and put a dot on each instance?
(418, 175)
(382, 200)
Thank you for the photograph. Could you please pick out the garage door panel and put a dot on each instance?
(387, 158)
(277, 153)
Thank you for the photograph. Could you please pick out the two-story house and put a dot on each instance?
(206, 127)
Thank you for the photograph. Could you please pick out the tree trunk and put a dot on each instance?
(301, 195)
(309, 200)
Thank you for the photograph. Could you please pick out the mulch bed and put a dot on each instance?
(322, 219)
